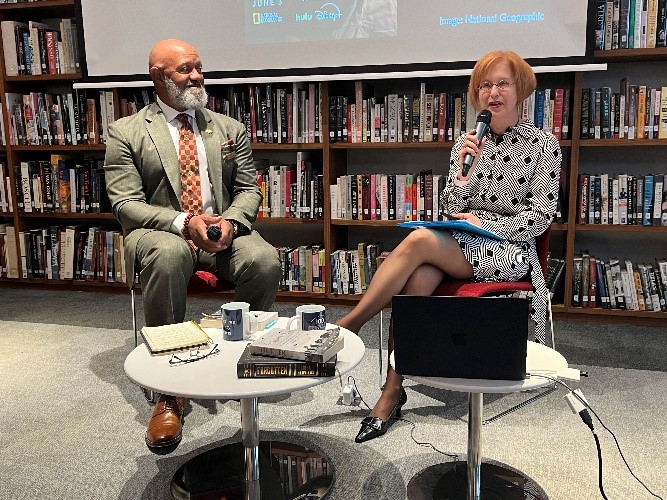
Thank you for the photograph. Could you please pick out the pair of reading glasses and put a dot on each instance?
(194, 356)
(486, 86)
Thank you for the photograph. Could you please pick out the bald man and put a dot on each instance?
(166, 243)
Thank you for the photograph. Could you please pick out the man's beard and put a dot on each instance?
(189, 98)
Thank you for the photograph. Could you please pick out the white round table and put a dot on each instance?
(215, 378)
(443, 481)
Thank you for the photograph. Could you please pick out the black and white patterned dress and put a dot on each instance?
(513, 190)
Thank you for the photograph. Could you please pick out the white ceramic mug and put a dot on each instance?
(235, 320)
(309, 317)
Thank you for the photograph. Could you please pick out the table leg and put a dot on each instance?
(232, 471)
(475, 407)
(250, 439)
(472, 479)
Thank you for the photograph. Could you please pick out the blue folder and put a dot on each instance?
(449, 225)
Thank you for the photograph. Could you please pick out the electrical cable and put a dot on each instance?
(354, 383)
(426, 444)
(585, 416)
(597, 445)
(401, 419)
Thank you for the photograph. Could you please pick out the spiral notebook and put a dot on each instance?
(456, 224)
(460, 337)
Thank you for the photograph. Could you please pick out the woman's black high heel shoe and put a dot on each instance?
(372, 427)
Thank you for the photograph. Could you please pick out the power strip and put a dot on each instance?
(349, 396)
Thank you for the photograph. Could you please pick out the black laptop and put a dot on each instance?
(460, 337)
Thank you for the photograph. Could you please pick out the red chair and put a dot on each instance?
(466, 288)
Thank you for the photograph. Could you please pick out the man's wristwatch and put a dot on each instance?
(235, 226)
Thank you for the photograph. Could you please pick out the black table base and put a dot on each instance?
(287, 471)
(449, 481)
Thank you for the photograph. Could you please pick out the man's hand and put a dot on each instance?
(197, 227)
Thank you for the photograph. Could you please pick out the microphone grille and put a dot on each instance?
(484, 116)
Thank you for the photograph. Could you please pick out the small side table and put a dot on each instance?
(215, 378)
(472, 479)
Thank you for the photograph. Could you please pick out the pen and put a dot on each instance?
(447, 215)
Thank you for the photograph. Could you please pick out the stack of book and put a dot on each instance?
(291, 353)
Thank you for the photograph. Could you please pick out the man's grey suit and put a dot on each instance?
(144, 185)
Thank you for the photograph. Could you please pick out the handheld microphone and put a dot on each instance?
(213, 233)
(483, 121)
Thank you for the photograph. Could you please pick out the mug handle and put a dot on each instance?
(289, 322)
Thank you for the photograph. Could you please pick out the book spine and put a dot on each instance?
(251, 369)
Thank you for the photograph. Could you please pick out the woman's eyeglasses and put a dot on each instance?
(486, 86)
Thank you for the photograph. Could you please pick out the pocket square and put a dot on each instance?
(228, 150)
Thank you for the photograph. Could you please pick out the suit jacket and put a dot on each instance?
(143, 177)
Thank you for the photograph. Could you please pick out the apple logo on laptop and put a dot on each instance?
(459, 337)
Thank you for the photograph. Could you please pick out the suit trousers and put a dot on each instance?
(167, 262)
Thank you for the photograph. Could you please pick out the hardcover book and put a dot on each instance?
(305, 345)
(256, 366)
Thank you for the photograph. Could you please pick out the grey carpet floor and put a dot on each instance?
(72, 424)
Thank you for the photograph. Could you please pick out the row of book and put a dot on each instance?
(73, 252)
(40, 48)
(630, 24)
(274, 113)
(352, 270)
(95, 254)
(303, 268)
(401, 197)
(387, 196)
(293, 191)
(619, 284)
(433, 117)
(79, 117)
(635, 112)
(61, 184)
(622, 199)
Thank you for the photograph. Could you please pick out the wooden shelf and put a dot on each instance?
(630, 55)
(371, 223)
(81, 148)
(392, 145)
(68, 215)
(66, 77)
(58, 8)
(621, 228)
(262, 146)
(621, 143)
(287, 220)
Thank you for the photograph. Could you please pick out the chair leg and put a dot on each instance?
(134, 318)
(380, 344)
(550, 320)
(150, 395)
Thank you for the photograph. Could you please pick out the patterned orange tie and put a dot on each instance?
(188, 162)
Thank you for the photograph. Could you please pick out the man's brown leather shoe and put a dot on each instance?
(164, 427)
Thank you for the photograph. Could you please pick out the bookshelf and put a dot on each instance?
(343, 158)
